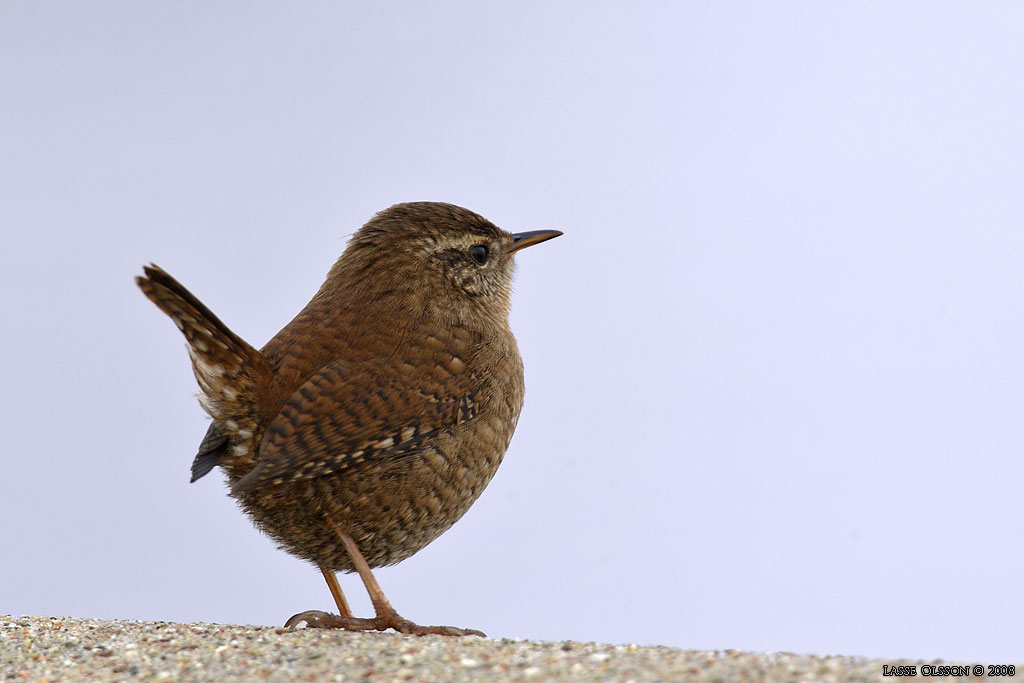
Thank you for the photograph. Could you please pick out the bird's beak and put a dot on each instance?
(521, 240)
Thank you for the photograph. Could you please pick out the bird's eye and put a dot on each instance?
(479, 253)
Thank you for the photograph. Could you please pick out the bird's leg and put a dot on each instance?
(386, 617)
(311, 617)
(339, 597)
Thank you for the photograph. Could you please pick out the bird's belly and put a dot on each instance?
(392, 509)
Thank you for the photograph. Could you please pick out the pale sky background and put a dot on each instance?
(775, 367)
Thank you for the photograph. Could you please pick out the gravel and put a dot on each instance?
(65, 648)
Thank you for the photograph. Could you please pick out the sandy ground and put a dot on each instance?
(59, 649)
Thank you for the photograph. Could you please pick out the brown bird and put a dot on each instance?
(368, 425)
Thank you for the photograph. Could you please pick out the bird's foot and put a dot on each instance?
(384, 620)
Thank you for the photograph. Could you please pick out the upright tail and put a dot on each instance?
(230, 372)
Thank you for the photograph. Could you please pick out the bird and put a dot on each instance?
(372, 421)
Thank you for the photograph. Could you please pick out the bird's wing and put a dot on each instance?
(211, 450)
(349, 414)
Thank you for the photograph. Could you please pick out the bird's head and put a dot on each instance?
(433, 256)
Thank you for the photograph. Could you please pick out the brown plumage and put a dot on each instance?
(368, 425)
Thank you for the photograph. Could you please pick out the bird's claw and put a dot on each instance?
(382, 622)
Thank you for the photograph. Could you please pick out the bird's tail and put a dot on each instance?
(229, 370)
